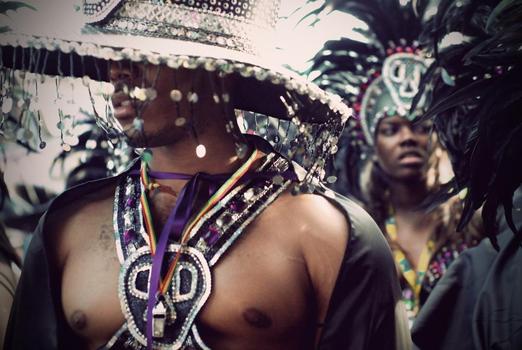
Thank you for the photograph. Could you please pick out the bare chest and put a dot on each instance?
(90, 286)
(258, 291)
(260, 295)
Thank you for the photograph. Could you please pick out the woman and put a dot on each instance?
(400, 160)
(397, 180)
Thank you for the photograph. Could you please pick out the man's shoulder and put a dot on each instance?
(310, 215)
(75, 214)
(327, 214)
(81, 200)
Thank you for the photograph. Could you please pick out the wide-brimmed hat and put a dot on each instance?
(230, 37)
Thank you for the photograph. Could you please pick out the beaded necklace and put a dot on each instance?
(413, 277)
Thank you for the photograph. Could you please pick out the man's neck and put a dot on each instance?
(181, 157)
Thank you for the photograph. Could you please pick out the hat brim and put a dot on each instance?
(261, 81)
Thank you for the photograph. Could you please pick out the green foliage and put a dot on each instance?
(11, 5)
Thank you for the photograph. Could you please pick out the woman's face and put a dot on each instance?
(402, 148)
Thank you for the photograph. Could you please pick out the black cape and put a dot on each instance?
(478, 302)
(364, 313)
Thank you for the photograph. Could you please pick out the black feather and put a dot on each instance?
(484, 135)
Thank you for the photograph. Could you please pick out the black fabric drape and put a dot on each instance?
(477, 304)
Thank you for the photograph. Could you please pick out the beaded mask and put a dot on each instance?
(224, 39)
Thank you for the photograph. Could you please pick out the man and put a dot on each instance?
(201, 243)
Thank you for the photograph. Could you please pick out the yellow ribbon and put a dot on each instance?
(413, 277)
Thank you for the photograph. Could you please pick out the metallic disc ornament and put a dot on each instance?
(176, 95)
(201, 151)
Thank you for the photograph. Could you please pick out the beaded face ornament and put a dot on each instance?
(226, 40)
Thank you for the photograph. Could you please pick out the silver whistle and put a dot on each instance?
(159, 318)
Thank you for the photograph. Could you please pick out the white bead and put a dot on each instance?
(201, 151)
(192, 97)
(7, 105)
(176, 95)
(180, 121)
(139, 94)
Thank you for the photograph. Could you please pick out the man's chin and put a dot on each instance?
(133, 137)
(137, 141)
(150, 140)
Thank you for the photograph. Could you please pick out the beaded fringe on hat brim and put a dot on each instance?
(54, 57)
(262, 88)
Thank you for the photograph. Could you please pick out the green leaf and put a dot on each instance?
(13, 5)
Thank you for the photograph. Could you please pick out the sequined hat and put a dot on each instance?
(229, 37)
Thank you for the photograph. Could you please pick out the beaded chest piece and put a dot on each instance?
(191, 287)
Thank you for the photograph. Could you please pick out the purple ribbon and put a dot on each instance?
(180, 215)
(175, 224)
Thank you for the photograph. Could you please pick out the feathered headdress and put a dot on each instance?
(476, 84)
(376, 66)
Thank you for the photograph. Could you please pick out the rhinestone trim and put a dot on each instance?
(262, 12)
(190, 24)
(97, 10)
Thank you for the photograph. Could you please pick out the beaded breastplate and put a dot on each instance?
(209, 240)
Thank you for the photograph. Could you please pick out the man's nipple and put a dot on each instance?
(257, 318)
(78, 320)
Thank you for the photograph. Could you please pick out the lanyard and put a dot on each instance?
(414, 278)
(179, 225)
